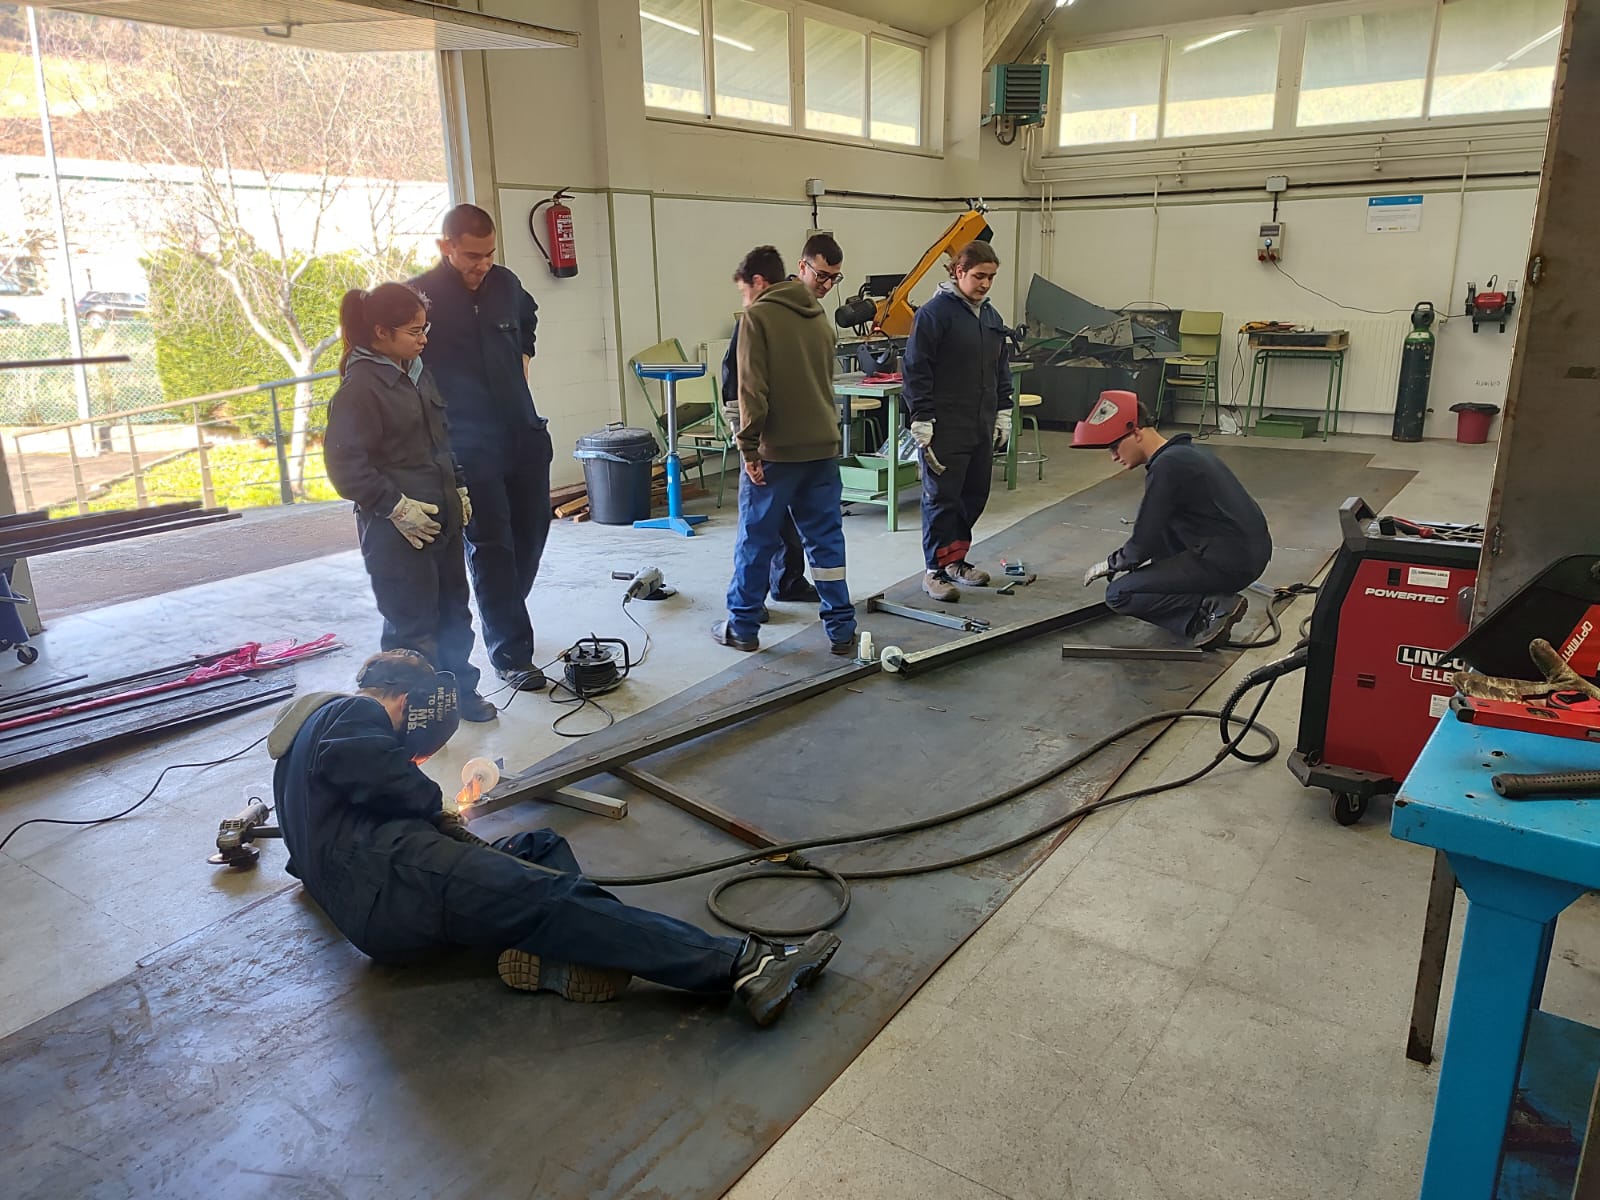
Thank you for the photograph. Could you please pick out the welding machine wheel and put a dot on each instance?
(1347, 807)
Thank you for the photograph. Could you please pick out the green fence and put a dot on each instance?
(49, 396)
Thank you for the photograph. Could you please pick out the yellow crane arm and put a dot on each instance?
(895, 312)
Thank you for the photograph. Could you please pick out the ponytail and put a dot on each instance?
(387, 306)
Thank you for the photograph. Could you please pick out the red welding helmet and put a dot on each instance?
(1112, 419)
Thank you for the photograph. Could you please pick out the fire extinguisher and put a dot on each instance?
(559, 245)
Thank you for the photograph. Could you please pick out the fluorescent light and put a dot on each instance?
(1212, 40)
(659, 20)
(1065, 3)
(693, 32)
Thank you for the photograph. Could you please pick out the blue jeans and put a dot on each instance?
(812, 493)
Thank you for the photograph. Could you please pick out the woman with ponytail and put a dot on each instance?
(957, 379)
(388, 450)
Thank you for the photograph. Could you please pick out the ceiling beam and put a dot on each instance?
(1009, 25)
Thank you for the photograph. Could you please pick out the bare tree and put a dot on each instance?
(257, 158)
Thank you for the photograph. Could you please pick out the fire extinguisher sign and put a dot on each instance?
(1394, 214)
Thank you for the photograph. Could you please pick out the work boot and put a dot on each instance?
(1217, 620)
(842, 649)
(763, 616)
(526, 678)
(939, 585)
(766, 974)
(723, 637)
(965, 572)
(474, 707)
(585, 985)
(800, 593)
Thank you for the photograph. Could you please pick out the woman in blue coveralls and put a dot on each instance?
(957, 378)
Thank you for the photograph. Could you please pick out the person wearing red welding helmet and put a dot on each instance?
(1199, 539)
(405, 880)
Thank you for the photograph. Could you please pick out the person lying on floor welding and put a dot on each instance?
(1199, 539)
(403, 879)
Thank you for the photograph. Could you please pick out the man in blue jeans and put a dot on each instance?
(402, 879)
(788, 440)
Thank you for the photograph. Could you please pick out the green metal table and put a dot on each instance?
(846, 387)
(1261, 364)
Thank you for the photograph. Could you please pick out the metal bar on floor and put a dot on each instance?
(993, 639)
(705, 811)
(1147, 653)
(947, 620)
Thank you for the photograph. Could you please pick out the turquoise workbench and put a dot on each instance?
(1520, 863)
(872, 482)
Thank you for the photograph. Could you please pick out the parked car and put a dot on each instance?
(97, 308)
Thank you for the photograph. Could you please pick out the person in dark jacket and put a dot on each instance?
(387, 450)
(821, 261)
(1199, 540)
(403, 879)
(484, 333)
(957, 374)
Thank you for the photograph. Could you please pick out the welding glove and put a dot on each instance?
(1101, 570)
(1002, 430)
(922, 434)
(414, 520)
(466, 506)
(454, 827)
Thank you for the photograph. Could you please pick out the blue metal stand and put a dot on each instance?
(669, 374)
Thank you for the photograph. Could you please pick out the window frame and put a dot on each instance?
(1292, 24)
(798, 12)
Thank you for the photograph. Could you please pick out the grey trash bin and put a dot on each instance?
(616, 470)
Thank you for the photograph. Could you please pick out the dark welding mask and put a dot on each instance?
(432, 702)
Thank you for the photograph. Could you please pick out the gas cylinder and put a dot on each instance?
(1416, 373)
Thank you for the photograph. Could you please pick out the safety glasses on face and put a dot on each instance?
(416, 331)
(826, 278)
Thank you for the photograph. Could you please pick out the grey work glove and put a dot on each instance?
(414, 520)
(454, 827)
(922, 433)
(1002, 430)
(466, 506)
(1101, 570)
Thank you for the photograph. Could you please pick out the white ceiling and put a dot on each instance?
(922, 17)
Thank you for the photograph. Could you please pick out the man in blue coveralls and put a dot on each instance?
(789, 440)
(480, 343)
(403, 879)
(1199, 539)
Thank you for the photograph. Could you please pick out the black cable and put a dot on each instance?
(137, 804)
(1375, 312)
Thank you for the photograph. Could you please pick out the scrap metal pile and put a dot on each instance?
(1067, 330)
(26, 535)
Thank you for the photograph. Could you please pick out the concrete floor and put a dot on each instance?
(1200, 996)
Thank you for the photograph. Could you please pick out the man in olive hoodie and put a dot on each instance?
(789, 441)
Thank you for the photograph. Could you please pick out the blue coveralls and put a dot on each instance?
(957, 373)
(357, 817)
(1201, 533)
(474, 351)
(789, 564)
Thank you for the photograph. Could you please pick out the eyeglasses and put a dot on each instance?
(418, 331)
(828, 277)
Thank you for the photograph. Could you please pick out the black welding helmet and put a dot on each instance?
(433, 711)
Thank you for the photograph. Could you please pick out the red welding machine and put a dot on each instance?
(1379, 657)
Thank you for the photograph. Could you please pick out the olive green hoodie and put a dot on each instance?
(786, 407)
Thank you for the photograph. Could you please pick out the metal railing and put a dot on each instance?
(104, 432)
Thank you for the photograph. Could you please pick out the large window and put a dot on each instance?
(1365, 67)
(1496, 56)
(1390, 62)
(1223, 82)
(1111, 93)
(674, 63)
(855, 80)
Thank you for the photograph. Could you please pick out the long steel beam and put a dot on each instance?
(1146, 653)
(538, 782)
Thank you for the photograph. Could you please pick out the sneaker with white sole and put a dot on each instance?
(584, 985)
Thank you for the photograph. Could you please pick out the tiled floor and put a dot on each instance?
(1202, 996)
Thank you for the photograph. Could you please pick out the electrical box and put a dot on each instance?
(1269, 242)
(815, 187)
(1020, 91)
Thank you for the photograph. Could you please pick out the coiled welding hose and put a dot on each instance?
(795, 865)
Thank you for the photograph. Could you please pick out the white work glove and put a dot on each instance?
(414, 520)
(1002, 429)
(1101, 570)
(466, 506)
(922, 434)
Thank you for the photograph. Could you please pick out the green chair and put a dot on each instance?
(701, 425)
(1199, 343)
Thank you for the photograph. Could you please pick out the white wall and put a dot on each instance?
(1195, 253)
